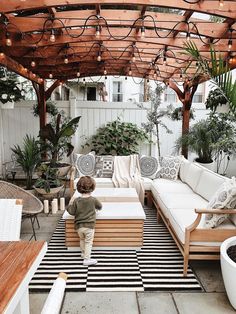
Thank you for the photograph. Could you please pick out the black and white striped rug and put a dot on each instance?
(158, 266)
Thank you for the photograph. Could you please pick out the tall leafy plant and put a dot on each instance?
(56, 137)
(215, 68)
(28, 157)
(155, 115)
(117, 138)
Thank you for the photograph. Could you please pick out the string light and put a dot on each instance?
(105, 71)
(98, 31)
(50, 75)
(230, 41)
(99, 57)
(78, 74)
(52, 37)
(142, 32)
(8, 40)
(133, 58)
(33, 64)
(221, 3)
(164, 60)
(66, 60)
(130, 72)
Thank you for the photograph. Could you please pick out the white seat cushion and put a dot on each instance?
(183, 201)
(147, 182)
(193, 176)
(164, 185)
(182, 218)
(209, 183)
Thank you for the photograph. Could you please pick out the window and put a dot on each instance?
(170, 95)
(91, 93)
(198, 98)
(117, 92)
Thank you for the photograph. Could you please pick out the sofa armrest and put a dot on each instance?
(214, 211)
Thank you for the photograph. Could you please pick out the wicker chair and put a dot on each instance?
(32, 206)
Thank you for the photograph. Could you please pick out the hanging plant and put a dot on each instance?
(51, 109)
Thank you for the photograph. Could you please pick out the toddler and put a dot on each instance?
(84, 209)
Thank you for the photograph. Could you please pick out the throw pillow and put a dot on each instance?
(224, 198)
(104, 166)
(85, 164)
(149, 167)
(170, 167)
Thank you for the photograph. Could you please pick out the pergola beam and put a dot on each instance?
(16, 67)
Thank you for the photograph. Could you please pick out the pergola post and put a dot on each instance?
(42, 97)
(186, 97)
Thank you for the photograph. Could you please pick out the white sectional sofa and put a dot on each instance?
(181, 204)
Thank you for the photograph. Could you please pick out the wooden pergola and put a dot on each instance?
(67, 39)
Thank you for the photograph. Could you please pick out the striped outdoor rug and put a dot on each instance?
(157, 266)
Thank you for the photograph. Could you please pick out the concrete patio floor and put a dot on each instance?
(213, 300)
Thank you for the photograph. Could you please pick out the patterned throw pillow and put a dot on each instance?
(224, 197)
(104, 166)
(149, 167)
(85, 164)
(170, 167)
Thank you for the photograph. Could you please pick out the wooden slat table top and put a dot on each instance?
(16, 259)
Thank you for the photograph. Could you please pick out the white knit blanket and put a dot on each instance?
(127, 174)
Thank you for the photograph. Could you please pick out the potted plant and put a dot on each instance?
(28, 157)
(228, 267)
(117, 138)
(199, 140)
(56, 140)
(216, 101)
(48, 181)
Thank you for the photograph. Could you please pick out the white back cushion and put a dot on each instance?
(209, 183)
(193, 175)
(184, 169)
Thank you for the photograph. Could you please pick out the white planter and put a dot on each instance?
(209, 166)
(228, 268)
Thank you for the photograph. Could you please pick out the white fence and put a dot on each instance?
(16, 123)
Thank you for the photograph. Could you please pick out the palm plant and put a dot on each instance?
(215, 68)
(199, 140)
(28, 157)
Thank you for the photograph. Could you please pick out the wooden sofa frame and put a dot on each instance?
(192, 234)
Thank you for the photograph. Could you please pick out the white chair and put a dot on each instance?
(10, 219)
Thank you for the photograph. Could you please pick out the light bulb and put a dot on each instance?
(50, 75)
(105, 71)
(133, 58)
(99, 58)
(66, 60)
(34, 75)
(221, 3)
(230, 43)
(142, 32)
(8, 42)
(33, 64)
(1, 54)
(52, 37)
(155, 75)
(97, 34)
(130, 71)
(78, 74)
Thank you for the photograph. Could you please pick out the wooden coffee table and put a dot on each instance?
(118, 225)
